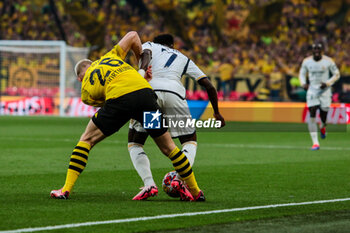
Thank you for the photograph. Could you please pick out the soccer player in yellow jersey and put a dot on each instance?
(122, 93)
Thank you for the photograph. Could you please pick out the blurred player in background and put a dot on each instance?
(322, 73)
(168, 67)
(122, 93)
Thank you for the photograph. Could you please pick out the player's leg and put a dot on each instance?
(136, 139)
(180, 163)
(312, 126)
(108, 120)
(174, 105)
(313, 103)
(147, 102)
(177, 107)
(189, 148)
(79, 158)
(326, 100)
(323, 116)
(138, 156)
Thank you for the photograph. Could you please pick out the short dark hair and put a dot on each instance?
(164, 39)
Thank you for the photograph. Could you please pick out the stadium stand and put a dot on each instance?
(264, 39)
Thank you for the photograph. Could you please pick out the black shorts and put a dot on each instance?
(116, 112)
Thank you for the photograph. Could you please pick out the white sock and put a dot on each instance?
(141, 163)
(313, 130)
(189, 149)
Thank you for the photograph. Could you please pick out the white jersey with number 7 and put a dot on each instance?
(169, 67)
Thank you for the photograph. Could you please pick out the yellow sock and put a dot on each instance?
(192, 184)
(71, 178)
(184, 169)
(77, 164)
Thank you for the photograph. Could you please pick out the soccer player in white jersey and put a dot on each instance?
(322, 73)
(168, 67)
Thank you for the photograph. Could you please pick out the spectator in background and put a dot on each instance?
(226, 73)
(275, 84)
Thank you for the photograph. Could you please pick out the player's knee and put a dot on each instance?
(313, 111)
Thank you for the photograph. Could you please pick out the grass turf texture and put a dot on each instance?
(234, 169)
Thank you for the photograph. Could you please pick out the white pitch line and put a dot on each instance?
(229, 145)
(257, 146)
(74, 225)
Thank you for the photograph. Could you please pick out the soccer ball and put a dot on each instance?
(168, 178)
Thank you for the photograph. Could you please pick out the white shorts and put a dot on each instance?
(324, 100)
(173, 108)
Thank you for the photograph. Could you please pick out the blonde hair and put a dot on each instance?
(80, 64)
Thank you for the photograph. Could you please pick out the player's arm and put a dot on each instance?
(145, 70)
(336, 75)
(146, 57)
(213, 98)
(302, 76)
(131, 41)
(193, 71)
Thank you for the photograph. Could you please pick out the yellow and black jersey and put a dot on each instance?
(109, 78)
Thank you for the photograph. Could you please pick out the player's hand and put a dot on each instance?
(306, 86)
(148, 75)
(220, 118)
(323, 86)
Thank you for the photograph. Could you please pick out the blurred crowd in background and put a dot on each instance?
(227, 39)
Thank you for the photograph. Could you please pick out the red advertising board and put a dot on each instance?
(75, 107)
(27, 106)
(337, 114)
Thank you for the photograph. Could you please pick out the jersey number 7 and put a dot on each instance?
(170, 60)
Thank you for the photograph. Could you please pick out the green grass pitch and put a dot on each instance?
(234, 169)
